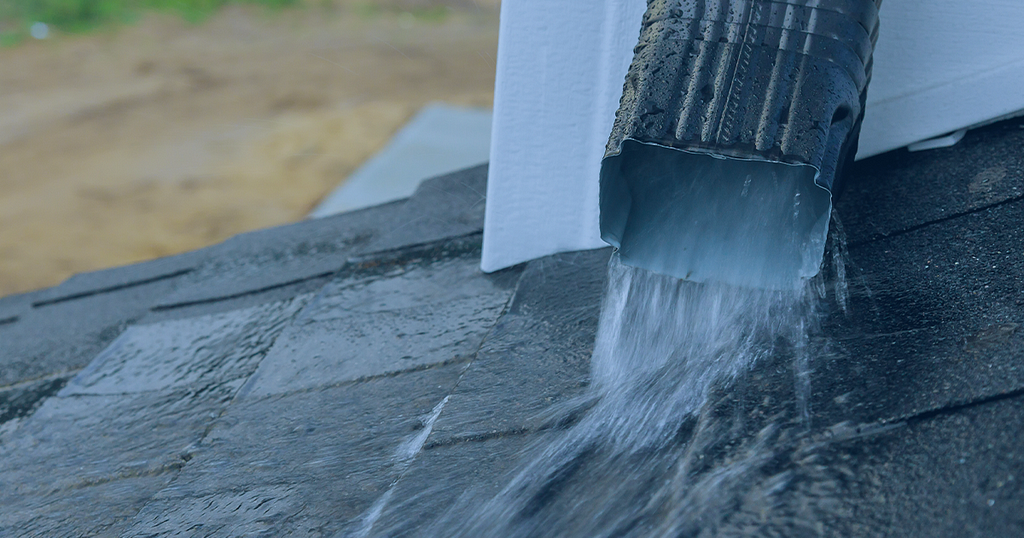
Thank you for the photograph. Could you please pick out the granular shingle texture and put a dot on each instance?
(359, 376)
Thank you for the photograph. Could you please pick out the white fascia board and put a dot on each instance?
(561, 66)
(941, 66)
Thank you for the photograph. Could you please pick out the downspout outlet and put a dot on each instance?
(736, 119)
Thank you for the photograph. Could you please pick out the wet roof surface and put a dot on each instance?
(292, 380)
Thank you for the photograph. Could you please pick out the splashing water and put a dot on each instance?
(634, 464)
(658, 446)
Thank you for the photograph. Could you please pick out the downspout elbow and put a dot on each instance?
(735, 121)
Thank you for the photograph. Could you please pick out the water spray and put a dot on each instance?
(736, 119)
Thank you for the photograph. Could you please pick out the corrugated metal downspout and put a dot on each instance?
(735, 118)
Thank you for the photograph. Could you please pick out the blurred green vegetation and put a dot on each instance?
(422, 11)
(16, 16)
(74, 16)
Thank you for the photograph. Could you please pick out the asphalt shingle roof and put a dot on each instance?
(308, 379)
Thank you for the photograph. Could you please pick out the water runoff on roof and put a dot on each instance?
(637, 459)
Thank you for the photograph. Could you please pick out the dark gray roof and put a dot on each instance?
(299, 380)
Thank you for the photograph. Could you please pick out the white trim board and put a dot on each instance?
(941, 66)
(561, 65)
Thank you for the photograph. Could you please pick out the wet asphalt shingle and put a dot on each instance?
(935, 320)
(537, 355)
(282, 381)
(955, 474)
(455, 475)
(127, 424)
(79, 455)
(119, 278)
(306, 464)
(59, 330)
(447, 206)
(899, 191)
(197, 354)
(287, 255)
(414, 316)
(64, 336)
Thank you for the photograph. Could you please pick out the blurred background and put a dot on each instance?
(134, 129)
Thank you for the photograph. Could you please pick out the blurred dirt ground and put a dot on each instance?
(164, 136)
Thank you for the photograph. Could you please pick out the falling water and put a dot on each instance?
(658, 446)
